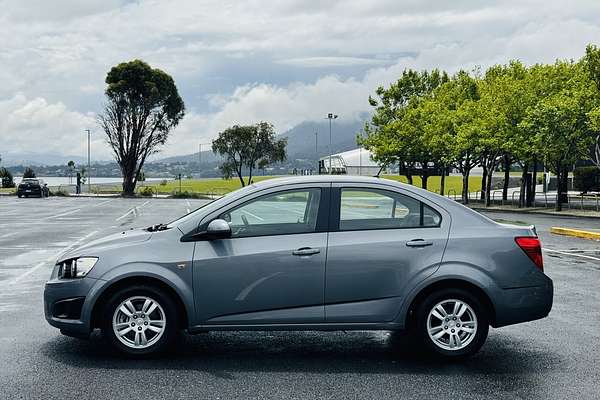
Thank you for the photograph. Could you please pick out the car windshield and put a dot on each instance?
(29, 180)
(216, 203)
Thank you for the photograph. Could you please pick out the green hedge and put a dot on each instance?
(586, 179)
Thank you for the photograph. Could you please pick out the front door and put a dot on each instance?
(272, 269)
(382, 243)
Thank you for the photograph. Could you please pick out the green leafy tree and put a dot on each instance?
(28, 173)
(559, 122)
(247, 147)
(393, 134)
(6, 178)
(143, 106)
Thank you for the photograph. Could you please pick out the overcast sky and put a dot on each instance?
(247, 61)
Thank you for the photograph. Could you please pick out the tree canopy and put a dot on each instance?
(143, 106)
(246, 147)
(529, 115)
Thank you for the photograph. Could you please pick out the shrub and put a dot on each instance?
(59, 193)
(586, 179)
(7, 178)
(163, 182)
(147, 191)
(187, 195)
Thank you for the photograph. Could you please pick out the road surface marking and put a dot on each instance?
(572, 254)
(188, 206)
(50, 259)
(62, 214)
(252, 215)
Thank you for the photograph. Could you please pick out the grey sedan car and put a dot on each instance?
(307, 253)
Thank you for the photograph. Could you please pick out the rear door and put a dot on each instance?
(382, 242)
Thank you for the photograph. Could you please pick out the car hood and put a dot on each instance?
(116, 240)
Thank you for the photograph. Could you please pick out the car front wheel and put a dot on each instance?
(140, 320)
(452, 323)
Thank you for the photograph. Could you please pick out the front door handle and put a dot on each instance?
(419, 243)
(305, 251)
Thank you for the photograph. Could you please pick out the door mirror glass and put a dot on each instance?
(218, 229)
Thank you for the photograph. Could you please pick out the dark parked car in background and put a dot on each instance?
(32, 187)
(307, 253)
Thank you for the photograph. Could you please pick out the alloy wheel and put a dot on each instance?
(452, 324)
(139, 322)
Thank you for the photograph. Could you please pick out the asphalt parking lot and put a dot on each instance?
(553, 358)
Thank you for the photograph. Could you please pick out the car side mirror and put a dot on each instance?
(216, 229)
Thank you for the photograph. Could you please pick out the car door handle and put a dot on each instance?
(305, 251)
(419, 243)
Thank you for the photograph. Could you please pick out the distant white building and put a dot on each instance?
(353, 162)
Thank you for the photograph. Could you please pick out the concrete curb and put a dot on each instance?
(575, 232)
(564, 213)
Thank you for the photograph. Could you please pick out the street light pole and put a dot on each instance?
(330, 117)
(89, 168)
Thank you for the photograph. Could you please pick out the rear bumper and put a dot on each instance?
(524, 304)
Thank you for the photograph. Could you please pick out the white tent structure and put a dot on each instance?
(353, 162)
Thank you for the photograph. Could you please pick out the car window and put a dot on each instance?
(281, 213)
(381, 209)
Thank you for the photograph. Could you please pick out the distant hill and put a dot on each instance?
(38, 159)
(301, 142)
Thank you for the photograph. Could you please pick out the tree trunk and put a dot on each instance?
(488, 186)
(483, 181)
(128, 185)
(523, 185)
(531, 193)
(424, 177)
(443, 181)
(465, 186)
(506, 177)
(559, 188)
(241, 178)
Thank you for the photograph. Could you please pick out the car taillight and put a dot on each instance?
(533, 248)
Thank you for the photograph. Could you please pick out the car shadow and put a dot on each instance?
(225, 353)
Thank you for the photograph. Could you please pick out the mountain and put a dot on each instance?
(301, 142)
(38, 159)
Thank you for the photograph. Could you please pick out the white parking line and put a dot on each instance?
(49, 259)
(572, 254)
(252, 215)
(188, 206)
(133, 210)
(62, 214)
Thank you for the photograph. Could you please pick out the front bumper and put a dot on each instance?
(524, 304)
(67, 304)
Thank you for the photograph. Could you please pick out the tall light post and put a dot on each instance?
(317, 148)
(89, 167)
(330, 117)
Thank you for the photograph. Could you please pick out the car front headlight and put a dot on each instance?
(76, 267)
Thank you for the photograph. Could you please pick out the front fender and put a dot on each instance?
(167, 276)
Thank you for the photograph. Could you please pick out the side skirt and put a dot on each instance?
(386, 326)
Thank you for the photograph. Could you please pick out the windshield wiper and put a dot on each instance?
(158, 227)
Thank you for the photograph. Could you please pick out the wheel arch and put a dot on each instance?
(450, 283)
(113, 287)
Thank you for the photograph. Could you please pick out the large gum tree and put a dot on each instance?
(142, 107)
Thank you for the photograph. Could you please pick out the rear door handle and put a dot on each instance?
(419, 243)
(305, 251)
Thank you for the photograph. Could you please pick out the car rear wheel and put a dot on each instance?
(140, 320)
(452, 323)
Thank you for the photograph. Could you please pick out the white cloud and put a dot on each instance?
(242, 62)
(36, 126)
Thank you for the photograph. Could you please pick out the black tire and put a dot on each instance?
(19, 195)
(156, 294)
(481, 315)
